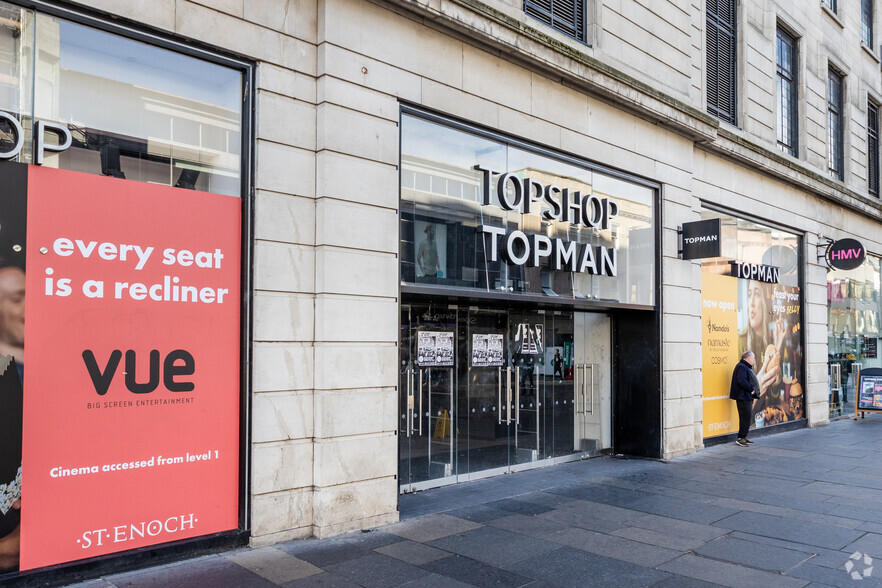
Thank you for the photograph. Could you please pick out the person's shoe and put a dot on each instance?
(748, 441)
(741, 443)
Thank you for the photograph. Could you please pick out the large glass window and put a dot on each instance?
(443, 209)
(835, 133)
(134, 110)
(125, 247)
(854, 312)
(788, 125)
(749, 311)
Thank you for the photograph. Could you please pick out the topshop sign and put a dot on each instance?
(41, 127)
(551, 202)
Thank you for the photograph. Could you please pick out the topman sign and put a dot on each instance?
(551, 202)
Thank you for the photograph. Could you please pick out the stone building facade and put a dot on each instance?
(331, 80)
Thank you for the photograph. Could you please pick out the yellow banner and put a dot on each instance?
(719, 352)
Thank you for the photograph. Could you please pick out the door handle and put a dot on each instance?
(499, 394)
(409, 408)
(590, 367)
(517, 403)
(508, 395)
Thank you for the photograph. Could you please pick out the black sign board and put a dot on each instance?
(755, 271)
(701, 239)
(869, 396)
(846, 254)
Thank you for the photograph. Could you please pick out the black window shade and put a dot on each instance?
(721, 59)
(835, 132)
(873, 149)
(567, 16)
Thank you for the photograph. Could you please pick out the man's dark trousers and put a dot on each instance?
(744, 411)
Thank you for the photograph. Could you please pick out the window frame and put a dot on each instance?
(872, 148)
(835, 134)
(716, 24)
(832, 5)
(790, 143)
(202, 544)
(867, 15)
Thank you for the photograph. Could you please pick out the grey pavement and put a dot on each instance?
(791, 510)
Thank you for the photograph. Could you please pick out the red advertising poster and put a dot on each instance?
(130, 428)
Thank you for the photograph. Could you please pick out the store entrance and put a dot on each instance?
(487, 391)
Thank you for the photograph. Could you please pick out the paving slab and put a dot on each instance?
(475, 573)
(204, 571)
(728, 574)
(527, 525)
(431, 527)
(568, 566)
(752, 554)
(494, 546)
(273, 564)
(412, 552)
(791, 530)
(377, 570)
(615, 547)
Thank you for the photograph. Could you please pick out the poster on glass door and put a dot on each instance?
(435, 349)
(741, 315)
(120, 417)
(487, 350)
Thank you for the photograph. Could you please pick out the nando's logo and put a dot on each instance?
(712, 328)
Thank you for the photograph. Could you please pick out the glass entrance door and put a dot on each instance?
(489, 391)
(592, 378)
(427, 391)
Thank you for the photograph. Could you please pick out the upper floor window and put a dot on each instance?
(788, 122)
(721, 59)
(831, 4)
(134, 110)
(873, 149)
(835, 134)
(567, 16)
(867, 22)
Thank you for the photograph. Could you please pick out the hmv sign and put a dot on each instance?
(846, 254)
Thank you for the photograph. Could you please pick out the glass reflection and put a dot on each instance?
(442, 208)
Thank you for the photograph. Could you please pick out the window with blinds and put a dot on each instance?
(788, 123)
(835, 134)
(867, 22)
(721, 59)
(567, 16)
(873, 149)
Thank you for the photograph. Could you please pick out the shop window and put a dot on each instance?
(872, 149)
(853, 328)
(134, 110)
(756, 311)
(788, 121)
(835, 132)
(450, 211)
(721, 60)
(567, 16)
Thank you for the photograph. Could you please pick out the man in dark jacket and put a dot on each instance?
(744, 388)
